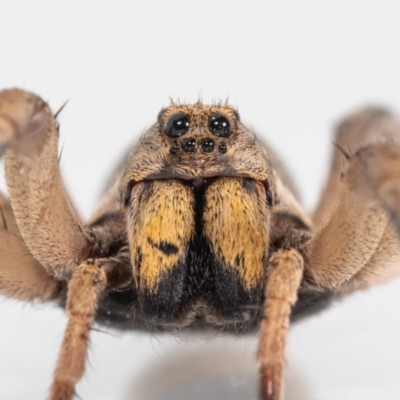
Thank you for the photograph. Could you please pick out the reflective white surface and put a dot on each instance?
(292, 68)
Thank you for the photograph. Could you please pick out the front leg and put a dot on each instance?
(16, 120)
(357, 246)
(368, 126)
(285, 274)
(84, 289)
(45, 218)
(48, 228)
(359, 235)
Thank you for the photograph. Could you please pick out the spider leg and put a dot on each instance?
(86, 285)
(368, 126)
(21, 276)
(357, 242)
(285, 274)
(45, 218)
(360, 233)
(7, 220)
(48, 238)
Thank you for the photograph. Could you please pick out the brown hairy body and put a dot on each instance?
(200, 229)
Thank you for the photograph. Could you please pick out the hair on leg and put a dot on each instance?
(359, 232)
(86, 285)
(285, 275)
(45, 218)
(21, 276)
(369, 125)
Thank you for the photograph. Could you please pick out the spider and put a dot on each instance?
(200, 228)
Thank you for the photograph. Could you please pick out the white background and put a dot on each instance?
(292, 69)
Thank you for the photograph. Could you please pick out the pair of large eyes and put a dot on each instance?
(178, 124)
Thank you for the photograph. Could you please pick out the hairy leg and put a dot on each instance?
(360, 234)
(86, 285)
(285, 274)
(368, 126)
(45, 218)
(46, 228)
(21, 276)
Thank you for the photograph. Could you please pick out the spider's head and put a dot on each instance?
(196, 142)
(198, 191)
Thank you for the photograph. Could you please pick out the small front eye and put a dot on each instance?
(219, 125)
(177, 125)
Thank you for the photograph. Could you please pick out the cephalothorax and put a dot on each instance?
(200, 229)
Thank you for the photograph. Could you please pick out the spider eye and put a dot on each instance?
(219, 125)
(177, 125)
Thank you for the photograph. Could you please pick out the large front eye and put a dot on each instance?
(177, 125)
(219, 125)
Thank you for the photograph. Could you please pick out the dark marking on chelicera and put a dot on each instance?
(249, 186)
(139, 257)
(167, 248)
(238, 260)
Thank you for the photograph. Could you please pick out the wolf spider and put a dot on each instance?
(199, 229)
